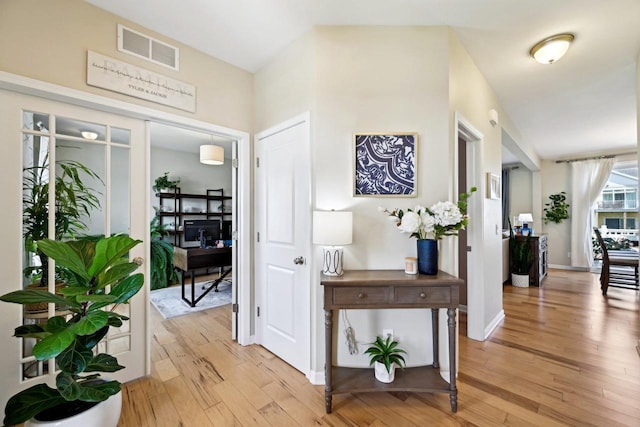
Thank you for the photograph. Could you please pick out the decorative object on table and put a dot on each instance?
(493, 186)
(429, 225)
(332, 229)
(526, 219)
(74, 202)
(411, 265)
(92, 267)
(385, 164)
(385, 356)
(557, 209)
(163, 182)
(521, 259)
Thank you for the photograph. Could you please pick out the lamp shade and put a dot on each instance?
(332, 228)
(211, 155)
(525, 218)
(552, 48)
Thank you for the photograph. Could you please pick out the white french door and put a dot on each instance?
(32, 129)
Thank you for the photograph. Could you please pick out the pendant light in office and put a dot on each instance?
(211, 154)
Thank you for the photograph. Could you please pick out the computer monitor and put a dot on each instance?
(209, 227)
(227, 230)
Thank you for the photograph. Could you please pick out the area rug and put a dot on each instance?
(170, 304)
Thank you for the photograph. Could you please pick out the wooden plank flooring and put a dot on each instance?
(564, 355)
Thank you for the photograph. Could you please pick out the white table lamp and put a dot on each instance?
(332, 230)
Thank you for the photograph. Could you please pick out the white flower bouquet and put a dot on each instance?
(442, 219)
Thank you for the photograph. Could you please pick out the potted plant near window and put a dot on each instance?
(521, 259)
(164, 183)
(385, 356)
(93, 267)
(74, 201)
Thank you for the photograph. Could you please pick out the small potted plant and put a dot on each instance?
(93, 267)
(385, 355)
(164, 183)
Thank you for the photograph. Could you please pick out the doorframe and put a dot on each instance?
(475, 267)
(54, 92)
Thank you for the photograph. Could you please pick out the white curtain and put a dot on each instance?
(588, 179)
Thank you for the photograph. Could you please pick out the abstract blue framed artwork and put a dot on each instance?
(385, 164)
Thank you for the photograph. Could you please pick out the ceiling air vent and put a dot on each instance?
(143, 46)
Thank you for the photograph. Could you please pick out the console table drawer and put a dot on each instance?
(360, 295)
(419, 295)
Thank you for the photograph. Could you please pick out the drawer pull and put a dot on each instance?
(361, 295)
(423, 295)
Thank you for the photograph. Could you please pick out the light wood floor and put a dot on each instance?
(565, 355)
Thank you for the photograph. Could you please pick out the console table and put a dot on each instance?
(191, 259)
(376, 289)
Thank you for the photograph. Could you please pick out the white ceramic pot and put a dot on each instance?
(104, 414)
(520, 280)
(381, 372)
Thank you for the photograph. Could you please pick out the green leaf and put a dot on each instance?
(67, 386)
(98, 391)
(26, 330)
(90, 341)
(75, 358)
(54, 344)
(91, 323)
(33, 296)
(64, 255)
(103, 363)
(55, 324)
(30, 402)
(128, 288)
(72, 291)
(86, 250)
(116, 274)
(109, 250)
(107, 299)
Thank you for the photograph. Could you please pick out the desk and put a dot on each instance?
(376, 289)
(191, 259)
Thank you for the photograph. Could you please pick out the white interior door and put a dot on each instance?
(283, 224)
(29, 128)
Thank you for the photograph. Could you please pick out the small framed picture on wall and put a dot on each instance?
(493, 186)
(385, 164)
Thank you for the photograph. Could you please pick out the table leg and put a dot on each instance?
(434, 333)
(453, 391)
(328, 358)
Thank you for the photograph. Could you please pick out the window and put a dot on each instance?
(613, 223)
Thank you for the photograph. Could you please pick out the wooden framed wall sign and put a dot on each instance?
(385, 164)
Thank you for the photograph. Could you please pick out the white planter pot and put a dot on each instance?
(520, 280)
(104, 414)
(381, 372)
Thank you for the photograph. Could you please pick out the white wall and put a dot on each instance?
(556, 177)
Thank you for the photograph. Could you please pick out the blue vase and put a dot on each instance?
(428, 256)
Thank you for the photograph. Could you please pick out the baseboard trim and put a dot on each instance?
(316, 377)
(493, 324)
(567, 267)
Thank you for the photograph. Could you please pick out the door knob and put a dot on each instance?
(138, 260)
(298, 260)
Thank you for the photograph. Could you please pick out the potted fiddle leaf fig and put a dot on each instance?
(385, 356)
(521, 258)
(100, 276)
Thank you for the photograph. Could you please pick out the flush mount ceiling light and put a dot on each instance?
(552, 48)
(211, 155)
(89, 135)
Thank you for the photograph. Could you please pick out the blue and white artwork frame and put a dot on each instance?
(385, 164)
